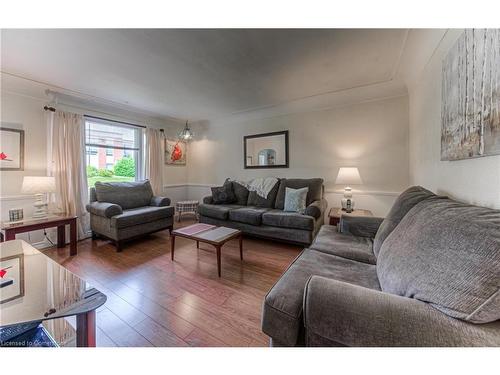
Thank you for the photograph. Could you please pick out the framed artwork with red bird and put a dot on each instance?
(175, 152)
(11, 149)
(11, 278)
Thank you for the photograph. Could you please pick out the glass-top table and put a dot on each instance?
(35, 289)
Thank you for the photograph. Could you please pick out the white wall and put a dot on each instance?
(473, 180)
(372, 136)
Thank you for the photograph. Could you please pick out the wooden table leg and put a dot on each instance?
(218, 259)
(61, 235)
(10, 235)
(241, 246)
(172, 245)
(85, 329)
(72, 237)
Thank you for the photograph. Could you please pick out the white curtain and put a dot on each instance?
(154, 152)
(67, 140)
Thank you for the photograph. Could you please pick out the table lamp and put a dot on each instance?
(348, 176)
(39, 185)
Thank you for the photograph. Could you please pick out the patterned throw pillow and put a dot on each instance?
(295, 200)
(223, 194)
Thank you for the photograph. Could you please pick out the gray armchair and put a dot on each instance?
(123, 211)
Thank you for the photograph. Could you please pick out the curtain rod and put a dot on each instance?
(52, 109)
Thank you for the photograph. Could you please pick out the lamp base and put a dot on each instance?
(41, 208)
(347, 204)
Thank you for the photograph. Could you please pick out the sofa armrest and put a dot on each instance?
(208, 200)
(362, 226)
(317, 208)
(352, 315)
(160, 201)
(104, 209)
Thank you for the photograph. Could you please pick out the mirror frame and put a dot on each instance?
(245, 166)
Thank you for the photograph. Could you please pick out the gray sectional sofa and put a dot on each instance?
(121, 211)
(265, 218)
(426, 275)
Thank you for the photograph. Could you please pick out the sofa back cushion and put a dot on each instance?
(404, 203)
(315, 192)
(255, 200)
(241, 193)
(127, 195)
(446, 253)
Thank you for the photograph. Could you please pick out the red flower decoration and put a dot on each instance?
(3, 156)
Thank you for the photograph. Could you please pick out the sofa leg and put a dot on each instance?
(170, 229)
(119, 246)
(94, 235)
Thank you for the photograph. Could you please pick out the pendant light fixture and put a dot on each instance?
(186, 134)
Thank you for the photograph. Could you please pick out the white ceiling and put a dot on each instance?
(208, 74)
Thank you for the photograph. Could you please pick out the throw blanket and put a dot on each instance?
(262, 186)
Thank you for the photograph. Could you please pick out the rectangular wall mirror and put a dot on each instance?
(268, 150)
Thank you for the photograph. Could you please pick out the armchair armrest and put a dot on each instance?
(362, 226)
(160, 201)
(352, 315)
(104, 209)
(317, 208)
(208, 200)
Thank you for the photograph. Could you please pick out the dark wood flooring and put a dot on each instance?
(153, 301)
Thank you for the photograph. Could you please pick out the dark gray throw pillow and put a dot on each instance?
(223, 194)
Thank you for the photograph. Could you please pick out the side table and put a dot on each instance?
(186, 206)
(336, 213)
(31, 224)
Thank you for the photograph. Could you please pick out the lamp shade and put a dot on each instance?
(348, 176)
(38, 184)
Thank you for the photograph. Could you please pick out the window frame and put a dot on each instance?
(138, 141)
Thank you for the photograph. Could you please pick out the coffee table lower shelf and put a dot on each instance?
(214, 240)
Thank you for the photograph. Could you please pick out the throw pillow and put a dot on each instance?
(295, 200)
(223, 194)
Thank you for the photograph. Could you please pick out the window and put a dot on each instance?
(113, 151)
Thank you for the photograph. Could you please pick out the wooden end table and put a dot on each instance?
(336, 213)
(216, 236)
(31, 224)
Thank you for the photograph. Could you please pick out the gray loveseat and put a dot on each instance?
(265, 218)
(427, 275)
(122, 211)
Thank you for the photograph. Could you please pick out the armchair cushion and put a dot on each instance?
(160, 201)
(353, 315)
(141, 215)
(127, 195)
(104, 209)
(362, 226)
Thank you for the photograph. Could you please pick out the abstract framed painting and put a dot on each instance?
(11, 149)
(175, 152)
(470, 111)
(11, 278)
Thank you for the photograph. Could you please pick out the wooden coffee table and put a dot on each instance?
(211, 234)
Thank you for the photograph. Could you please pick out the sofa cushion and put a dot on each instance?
(216, 211)
(447, 254)
(255, 200)
(241, 193)
(404, 203)
(127, 195)
(282, 315)
(294, 220)
(141, 215)
(295, 200)
(330, 241)
(248, 215)
(223, 194)
(314, 193)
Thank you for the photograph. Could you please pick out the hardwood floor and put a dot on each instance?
(153, 301)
